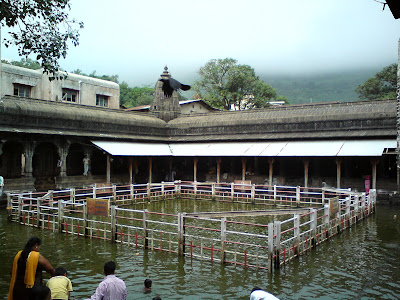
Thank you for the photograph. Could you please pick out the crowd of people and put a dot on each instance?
(27, 280)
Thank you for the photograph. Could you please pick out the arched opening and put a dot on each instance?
(75, 160)
(10, 160)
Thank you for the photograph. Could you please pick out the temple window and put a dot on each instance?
(102, 100)
(22, 90)
(69, 95)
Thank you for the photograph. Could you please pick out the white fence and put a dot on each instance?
(292, 219)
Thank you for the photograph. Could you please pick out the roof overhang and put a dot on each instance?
(328, 148)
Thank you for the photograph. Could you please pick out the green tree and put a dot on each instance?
(382, 86)
(25, 63)
(42, 28)
(225, 83)
(136, 96)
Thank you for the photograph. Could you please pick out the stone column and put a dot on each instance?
(195, 161)
(244, 160)
(219, 160)
(150, 169)
(338, 172)
(29, 150)
(108, 168)
(130, 170)
(374, 163)
(306, 162)
(62, 149)
(271, 170)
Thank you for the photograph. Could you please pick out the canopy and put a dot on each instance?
(268, 149)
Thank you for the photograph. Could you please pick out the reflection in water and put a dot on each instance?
(360, 263)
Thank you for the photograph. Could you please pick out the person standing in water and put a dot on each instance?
(27, 270)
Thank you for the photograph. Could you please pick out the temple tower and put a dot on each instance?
(162, 107)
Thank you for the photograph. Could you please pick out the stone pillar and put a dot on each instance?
(170, 163)
(244, 160)
(29, 150)
(338, 172)
(271, 170)
(374, 163)
(306, 162)
(195, 161)
(130, 171)
(62, 149)
(108, 168)
(150, 169)
(219, 160)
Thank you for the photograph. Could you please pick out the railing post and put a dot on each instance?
(72, 194)
(181, 234)
(162, 190)
(296, 225)
(253, 192)
(85, 219)
(38, 203)
(94, 191)
(347, 211)
(232, 191)
(113, 223)
(277, 244)
(195, 189)
(145, 231)
(114, 191)
(298, 196)
(274, 193)
(326, 219)
(313, 226)
(19, 208)
(213, 191)
(270, 246)
(356, 206)
(131, 190)
(148, 190)
(323, 197)
(223, 238)
(363, 197)
(60, 216)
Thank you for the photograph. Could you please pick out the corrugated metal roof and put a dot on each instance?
(271, 149)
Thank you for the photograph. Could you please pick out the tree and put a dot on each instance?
(25, 63)
(382, 86)
(40, 27)
(224, 84)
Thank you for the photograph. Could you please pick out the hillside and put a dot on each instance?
(319, 87)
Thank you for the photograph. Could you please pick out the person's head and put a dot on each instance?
(40, 292)
(33, 244)
(60, 271)
(157, 298)
(256, 288)
(147, 283)
(109, 268)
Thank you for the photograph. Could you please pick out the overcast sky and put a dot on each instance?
(136, 39)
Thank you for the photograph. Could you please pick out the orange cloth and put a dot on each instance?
(13, 275)
(30, 271)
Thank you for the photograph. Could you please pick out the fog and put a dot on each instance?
(136, 39)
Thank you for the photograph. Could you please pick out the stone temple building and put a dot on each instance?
(48, 129)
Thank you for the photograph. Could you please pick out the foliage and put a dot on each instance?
(224, 84)
(40, 27)
(136, 96)
(382, 86)
(24, 63)
(319, 87)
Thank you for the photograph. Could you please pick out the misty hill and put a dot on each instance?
(338, 86)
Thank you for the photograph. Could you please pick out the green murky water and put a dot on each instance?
(360, 263)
